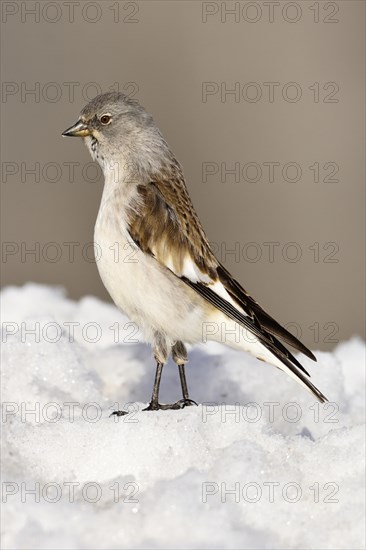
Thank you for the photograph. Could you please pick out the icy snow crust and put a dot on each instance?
(277, 471)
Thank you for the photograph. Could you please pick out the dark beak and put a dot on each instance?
(80, 129)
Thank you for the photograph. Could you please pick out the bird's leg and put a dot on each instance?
(179, 354)
(160, 349)
(154, 403)
(183, 381)
(185, 402)
(161, 354)
(180, 357)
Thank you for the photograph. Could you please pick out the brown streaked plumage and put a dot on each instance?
(162, 220)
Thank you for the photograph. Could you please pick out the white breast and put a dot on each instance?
(149, 294)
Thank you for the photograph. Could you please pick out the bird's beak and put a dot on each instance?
(80, 129)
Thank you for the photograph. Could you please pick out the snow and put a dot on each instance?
(258, 464)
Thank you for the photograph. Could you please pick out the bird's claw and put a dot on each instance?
(181, 404)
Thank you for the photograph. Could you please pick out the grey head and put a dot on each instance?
(115, 128)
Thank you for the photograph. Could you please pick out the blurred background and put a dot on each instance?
(262, 103)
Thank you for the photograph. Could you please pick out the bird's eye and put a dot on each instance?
(105, 119)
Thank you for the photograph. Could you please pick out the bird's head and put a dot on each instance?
(110, 124)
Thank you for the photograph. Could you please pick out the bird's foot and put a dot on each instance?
(152, 406)
(181, 404)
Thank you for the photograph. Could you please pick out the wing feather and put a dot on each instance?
(254, 309)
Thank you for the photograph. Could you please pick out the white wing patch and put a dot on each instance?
(192, 272)
(221, 291)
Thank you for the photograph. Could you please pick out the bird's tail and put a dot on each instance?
(270, 350)
(281, 358)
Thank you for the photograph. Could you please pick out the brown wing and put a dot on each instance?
(163, 222)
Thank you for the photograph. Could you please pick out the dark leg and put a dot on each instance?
(180, 357)
(154, 403)
(185, 402)
(179, 353)
(183, 381)
(161, 356)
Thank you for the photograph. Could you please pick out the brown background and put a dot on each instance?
(168, 52)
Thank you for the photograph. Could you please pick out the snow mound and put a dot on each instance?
(258, 464)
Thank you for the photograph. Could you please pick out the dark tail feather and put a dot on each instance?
(294, 367)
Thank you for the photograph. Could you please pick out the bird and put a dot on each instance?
(166, 277)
